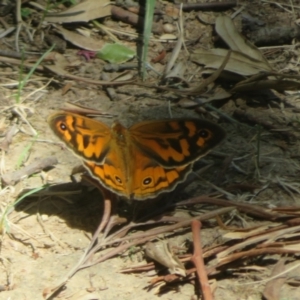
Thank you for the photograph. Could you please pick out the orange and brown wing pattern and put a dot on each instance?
(87, 138)
(109, 176)
(143, 161)
(151, 179)
(176, 142)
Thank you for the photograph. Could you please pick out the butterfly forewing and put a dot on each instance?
(177, 142)
(87, 138)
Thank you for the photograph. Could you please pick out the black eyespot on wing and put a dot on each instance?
(118, 179)
(147, 181)
(63, 126)
(204, 133)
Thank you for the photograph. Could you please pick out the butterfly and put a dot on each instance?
(139, 162)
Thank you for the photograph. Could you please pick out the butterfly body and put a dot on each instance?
(142, 161)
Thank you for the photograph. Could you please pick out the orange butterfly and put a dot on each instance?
(140, 162)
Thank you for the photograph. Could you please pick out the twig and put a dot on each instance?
(197, 259)
(176, 51)
(133, 19)
(38, 165)
(170, 228)
(209, 6)
(4, 144)
(251, 209)
(254, 252)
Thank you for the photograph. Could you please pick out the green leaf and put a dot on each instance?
(116, 53)
(25, 12)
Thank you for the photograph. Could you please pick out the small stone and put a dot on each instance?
(168, 28)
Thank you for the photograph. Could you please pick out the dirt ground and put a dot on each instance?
(45, 236)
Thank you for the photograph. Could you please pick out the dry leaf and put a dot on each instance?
(162, 253)
(82, 12)
(228, 32)
(272, 288)
(66, 88)
(81, 41)
(238, 63)
(278, 85)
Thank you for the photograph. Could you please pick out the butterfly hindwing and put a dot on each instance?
(150, 178)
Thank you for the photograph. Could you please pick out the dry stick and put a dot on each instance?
(197, 259)
(133, 19)
(175, 52)
(254, 252)
(4, 144)
(113, 221)
(170, 228)
(209, 6)
(245, 207)
(107, 210)
(148, 235)
(60, 72)
(18, 62)
(265, 238)
(119, 68)
(120, 234)
(19, 23)
(38, 165)
(11, 53)
(111, 92)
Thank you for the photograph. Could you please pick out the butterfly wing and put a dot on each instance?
(93, 142)
(110, 176)
(150, 179)
(176, 142)
(87, 138)
(164, 152)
